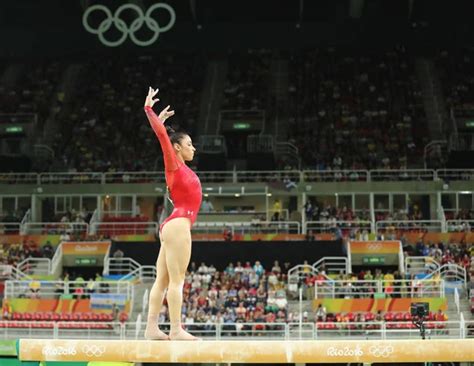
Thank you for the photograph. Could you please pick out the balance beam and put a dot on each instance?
(239, 351)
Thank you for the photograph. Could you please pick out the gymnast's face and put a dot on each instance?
(185, 148)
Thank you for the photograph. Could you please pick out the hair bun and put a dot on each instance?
(170, 130)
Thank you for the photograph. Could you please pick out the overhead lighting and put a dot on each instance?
(269, 194)
(237, 195)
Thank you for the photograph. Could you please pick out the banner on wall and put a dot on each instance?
(106, 301)
(375, 253)
(85, 253)
(374, 305)
(7, 348)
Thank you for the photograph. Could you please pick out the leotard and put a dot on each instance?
(183, 183)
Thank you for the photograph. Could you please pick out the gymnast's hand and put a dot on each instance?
(149, 102)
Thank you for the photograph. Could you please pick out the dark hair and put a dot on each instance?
(175, 136)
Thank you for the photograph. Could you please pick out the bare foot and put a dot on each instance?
(156, 335)
(182, 335)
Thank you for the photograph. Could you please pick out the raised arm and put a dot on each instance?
(157, 123)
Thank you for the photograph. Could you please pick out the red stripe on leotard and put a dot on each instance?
(183, 183)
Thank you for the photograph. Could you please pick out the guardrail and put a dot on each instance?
(378, 175)
(10, 228)
(337, 228)
(368, 289)
(54, 228)
(260, 227)
(35, 266)
(459, 225)
(333, 227)
(55, 289)
(235, 331)
(120, 228)
(412, 225)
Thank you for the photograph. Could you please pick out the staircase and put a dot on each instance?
(433, 99)
(277, 124)
(211, 97)
(65, 87)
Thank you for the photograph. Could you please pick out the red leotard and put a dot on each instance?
(183, 183)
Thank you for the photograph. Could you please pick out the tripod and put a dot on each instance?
(419, 322)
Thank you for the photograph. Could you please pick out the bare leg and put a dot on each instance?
(177, 237)
(157, 295)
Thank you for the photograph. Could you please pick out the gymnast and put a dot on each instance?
(175, 232)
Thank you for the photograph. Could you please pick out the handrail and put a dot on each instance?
(31, 266)
(335, 264)
(56, 261)
(240, 176)
(366, 288)
(456, 300)
(145, 301)
(450, 271)
(53, 289)
(55, 227)
(262, 330)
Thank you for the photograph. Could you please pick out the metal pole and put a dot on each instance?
(301, 310)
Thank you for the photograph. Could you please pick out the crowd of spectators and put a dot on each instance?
(455, 68)
(14, 253)
(247, 83)
(107, 103)
(363, 110)
(34, 90)
(239, 294)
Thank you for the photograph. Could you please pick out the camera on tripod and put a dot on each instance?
(419, 309)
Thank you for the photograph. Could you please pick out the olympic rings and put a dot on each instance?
(381, 351)
(93, 350)
(122, 26)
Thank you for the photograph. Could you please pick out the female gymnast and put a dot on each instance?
(175, 232)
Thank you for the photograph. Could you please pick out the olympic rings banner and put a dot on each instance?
(375, 247)
(128, 30)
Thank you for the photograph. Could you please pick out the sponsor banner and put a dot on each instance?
(395, 351)
(134, 238)
(259, 237)
(375, 247)
(85, 248)
(374, 305)
(7, 348)
(56, 306)
(39, 240)
(106, 301)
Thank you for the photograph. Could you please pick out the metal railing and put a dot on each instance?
(367, 289)
(129, 269)
(35, 266)
(120, 228)
(260, 227)
(10, 228)
(410, 225)
(332, 265)
(55, 289)
(346, 227)
(335, 175)
(52, 228)
(420, 264)
(381, 175)
(236, 331)
(459, 225)
(242, 176)
(9, 272)
(455, 174)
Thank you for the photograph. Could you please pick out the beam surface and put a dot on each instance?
(238, 351)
